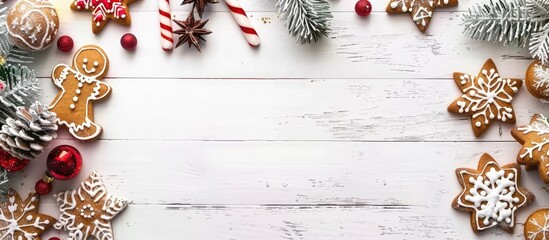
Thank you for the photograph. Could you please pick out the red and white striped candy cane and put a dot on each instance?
(165, 24)
(244, 22)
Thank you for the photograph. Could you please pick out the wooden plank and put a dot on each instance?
(252, 173)
(319, 110)
(250, 222)
(358, 48)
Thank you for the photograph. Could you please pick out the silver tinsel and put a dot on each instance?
(26, 136)
(307, 20)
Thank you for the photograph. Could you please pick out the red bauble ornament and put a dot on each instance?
(363, 8)
(64, 162)
(65, 43)
(54, 238)
(42, 187)
(10, 163)
(128, 41)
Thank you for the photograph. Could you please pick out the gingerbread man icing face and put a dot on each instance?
(80, 85)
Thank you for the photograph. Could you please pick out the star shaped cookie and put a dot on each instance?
(87, 212)
(421, 11)
(20, 219)
(103, 10)
(534, 138)
(486, 97)
(491, 194)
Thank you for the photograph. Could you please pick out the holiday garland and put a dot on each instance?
(518, 23)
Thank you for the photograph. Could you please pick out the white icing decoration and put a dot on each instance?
(99, 225)
(542, 230)
(418, 8)
(541, 128)
(541, 79)
(12, 219)
(492, 197)
(37, 11)
(488, 93)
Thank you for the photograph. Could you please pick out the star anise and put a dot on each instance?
(199, 5)
(191, 31)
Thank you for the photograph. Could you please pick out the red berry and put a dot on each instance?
(128, 41)
(42, 187)
(55, 238)
(363, 8)
(65, 43)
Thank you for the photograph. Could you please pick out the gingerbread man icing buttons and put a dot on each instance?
(80, 85)
(492, 194)
(486, 97)
(103, 10)
(421, 11)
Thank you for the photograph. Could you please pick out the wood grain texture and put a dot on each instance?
(345, 139)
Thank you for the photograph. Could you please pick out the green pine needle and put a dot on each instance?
(307, 20)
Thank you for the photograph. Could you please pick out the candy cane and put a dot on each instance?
(244, 22)
(165, 24)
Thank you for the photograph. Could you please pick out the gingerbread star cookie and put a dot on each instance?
(486, 97)
(79, 86)
(536, 226)
(421, 11)
(87, 211)
(534, 138)
(103, 10)
(491, 194)
(20, 219)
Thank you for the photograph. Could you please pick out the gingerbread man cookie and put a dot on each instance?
(81, 85)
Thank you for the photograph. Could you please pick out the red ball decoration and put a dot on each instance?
(10, 163)
(65, 43)
(54, 238)
(42, 187)
(363, 8)
(128, 41)
(64, 162)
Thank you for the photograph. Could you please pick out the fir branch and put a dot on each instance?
(507, 22)
(539, 44)
(307, 20)
(21, 90)
(538, 8)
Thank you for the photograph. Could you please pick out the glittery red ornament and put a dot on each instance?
(128, 41)
(54, 238)
(65, 43)
(10, 163)
(363, 8)
(42, 187)
(64, 162)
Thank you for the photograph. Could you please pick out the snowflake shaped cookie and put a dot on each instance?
(536, 226)
(87, 211)
(534, 138)
(421, 11)
(486, 97)
(19, 219)
(491, 194)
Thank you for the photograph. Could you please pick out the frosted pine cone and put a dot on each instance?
(26, 136)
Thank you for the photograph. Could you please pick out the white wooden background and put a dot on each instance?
(347, 139)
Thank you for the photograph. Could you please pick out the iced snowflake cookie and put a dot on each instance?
(421, 11)
(534, 139)
(486, 97)
(103, 10)
(87, 212)
(20, 219)
(537, 80)
(491, 194)
(536, 226)
(80, 85)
